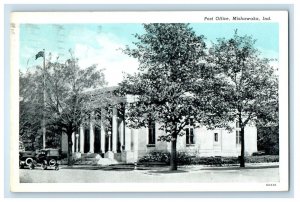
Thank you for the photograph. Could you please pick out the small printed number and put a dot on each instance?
(270, 185)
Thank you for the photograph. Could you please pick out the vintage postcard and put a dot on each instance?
(149, 101)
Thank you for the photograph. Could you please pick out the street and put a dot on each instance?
(162, 174)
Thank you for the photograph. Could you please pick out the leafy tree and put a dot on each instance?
(246, 85)
(31, 113)
(170, 60)
(31, 105)
(268, 139)
(68, 103)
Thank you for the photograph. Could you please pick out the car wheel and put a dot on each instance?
(29, 161)
(52, 162)
(44, 166)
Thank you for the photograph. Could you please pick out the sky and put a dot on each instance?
(101, 44)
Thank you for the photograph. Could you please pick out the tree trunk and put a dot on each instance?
(242, 157)
(173, 159)
(70, 144)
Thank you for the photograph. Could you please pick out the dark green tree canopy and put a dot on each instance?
(67, 104)
(171, 59)
(31, 108)
(248, 83)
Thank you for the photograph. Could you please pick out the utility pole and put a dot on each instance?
(44, 101)
(38, 55)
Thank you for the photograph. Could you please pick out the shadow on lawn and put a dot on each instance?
(240, 168)
(108, 168)
(160, 169)
(167, 171)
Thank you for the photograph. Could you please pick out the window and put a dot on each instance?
(151, 133)
(189, 132)
(216, 137)
(238, 133)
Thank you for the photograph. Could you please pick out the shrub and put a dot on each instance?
(268, 139)
(156, 156)
(207, 161)
(184, 158)
(262, 159)
(230, 160)
(258, 153)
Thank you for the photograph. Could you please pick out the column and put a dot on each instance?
(92, 137)
(73, 142)
(121, 127)
(127, 135)
(127, 138)
(81, 134)
(102, 136)
(135, 144)
(114, 130)
(77, 143)
(109, 140)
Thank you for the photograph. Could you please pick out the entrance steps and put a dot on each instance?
(94, 159)
(107, 161)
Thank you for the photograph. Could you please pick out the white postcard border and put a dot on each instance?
(280, 17)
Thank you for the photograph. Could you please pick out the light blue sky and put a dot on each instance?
(100, 43)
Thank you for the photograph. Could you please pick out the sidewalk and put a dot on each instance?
(129, 167)
(232, 166)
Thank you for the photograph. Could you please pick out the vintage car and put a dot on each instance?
(26, 158)
(46, 158)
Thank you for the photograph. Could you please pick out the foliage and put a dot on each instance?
(156, 156)
(65, 87)
(185, 158)
(31, 107)
(246, 86)
(262, 159)
(268, 139)
(31, 112)
(68, 101)
(170, 61)
(250, 85)
(174, 85)
(169, 56)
